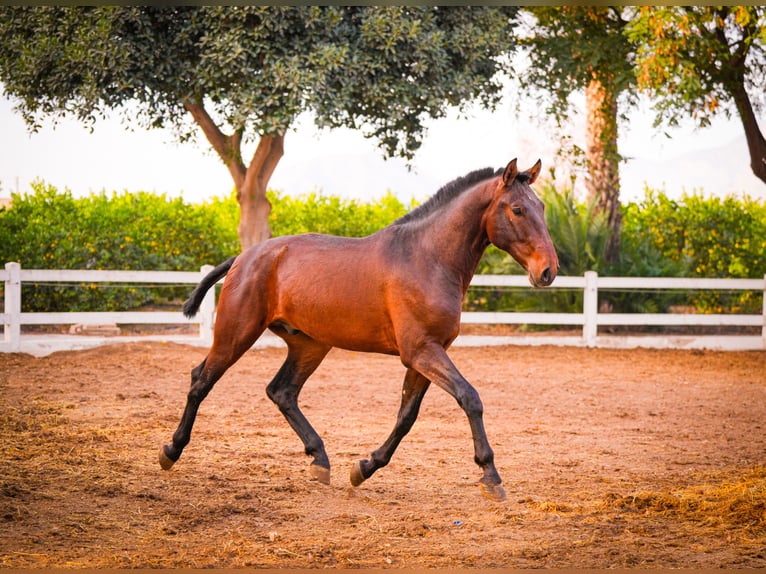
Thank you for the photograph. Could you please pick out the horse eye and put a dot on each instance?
(517, 211)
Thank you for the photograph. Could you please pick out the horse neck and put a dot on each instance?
(455, 236)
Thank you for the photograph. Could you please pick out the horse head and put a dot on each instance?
(516, 224)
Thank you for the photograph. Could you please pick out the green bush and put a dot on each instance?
(48, 229)
(317, 213)
(694, 236)
(697, 236)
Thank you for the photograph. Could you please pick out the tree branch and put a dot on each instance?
(756, 143)
(227, 147)
(265, 159)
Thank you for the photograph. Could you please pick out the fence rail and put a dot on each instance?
(12, 318)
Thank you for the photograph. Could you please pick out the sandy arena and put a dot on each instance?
(610, 458)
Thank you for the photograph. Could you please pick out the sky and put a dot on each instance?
(342, 162)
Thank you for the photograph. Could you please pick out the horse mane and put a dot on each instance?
(447, 193)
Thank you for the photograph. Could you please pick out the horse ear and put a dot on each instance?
(511, 171)
(534, 171)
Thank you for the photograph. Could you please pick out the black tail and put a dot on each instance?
(191, 306)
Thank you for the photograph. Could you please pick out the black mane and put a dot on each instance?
(447, 193)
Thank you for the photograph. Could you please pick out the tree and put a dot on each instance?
(574, 48)
(244, 74)
(699, 61)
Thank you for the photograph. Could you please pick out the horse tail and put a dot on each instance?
(192, 304)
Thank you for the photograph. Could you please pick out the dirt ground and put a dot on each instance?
(610, 458)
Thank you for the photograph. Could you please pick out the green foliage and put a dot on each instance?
(48, 229)
(693, 236)
(256, 68)
(333, 215)
(697, 236)
(698, 60)
(570, 46)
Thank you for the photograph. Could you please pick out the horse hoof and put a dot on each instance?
(319, 473)
(165, 461)
(494, 492)
(357, 477)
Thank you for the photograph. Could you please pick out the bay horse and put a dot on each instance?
(398, 291)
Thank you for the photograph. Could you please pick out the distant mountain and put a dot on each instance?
(719, 171)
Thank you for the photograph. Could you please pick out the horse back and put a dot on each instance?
(332, 289)
(362, 294)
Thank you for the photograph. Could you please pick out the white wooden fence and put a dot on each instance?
(12, 317)
(590, 319)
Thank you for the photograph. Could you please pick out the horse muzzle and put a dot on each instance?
(544, 277)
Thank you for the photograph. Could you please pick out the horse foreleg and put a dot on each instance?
(413, 391)
(303, 357)
(432, 361)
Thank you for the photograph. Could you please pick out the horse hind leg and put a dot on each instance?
(303, 357)
(223, 354)
(413, 390)
(201, 386)
(169, 454)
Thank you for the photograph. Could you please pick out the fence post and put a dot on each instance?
(590, 309)
(763, 327)
(207, 310)
(12, 295)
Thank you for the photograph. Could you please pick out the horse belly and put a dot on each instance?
(339, 306)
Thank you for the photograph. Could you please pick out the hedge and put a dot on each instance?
(49, 229)
(692, 236)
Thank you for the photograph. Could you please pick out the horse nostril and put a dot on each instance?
(545, 276)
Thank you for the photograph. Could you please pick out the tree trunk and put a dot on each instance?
(603, 182)
(252, 181)
(254, 206)
(756, 144)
